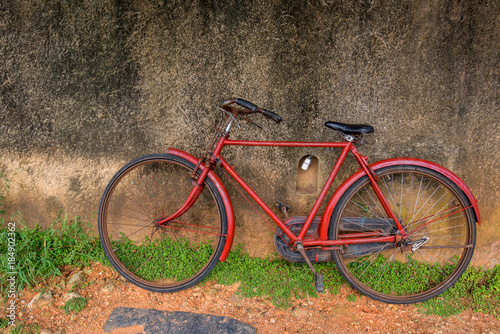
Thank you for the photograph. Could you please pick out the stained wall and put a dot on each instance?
(86, 86)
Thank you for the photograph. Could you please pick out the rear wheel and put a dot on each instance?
(161, 258)
(441, 240)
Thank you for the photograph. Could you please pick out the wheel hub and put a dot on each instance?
(408, 246)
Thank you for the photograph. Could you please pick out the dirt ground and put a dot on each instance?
(105, 290)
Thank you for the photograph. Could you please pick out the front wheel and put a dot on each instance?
(161, 258)
(440, 243)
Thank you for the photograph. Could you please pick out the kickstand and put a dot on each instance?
(318, 278)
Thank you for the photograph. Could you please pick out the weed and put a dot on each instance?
(275, 279)
(477, 290)
(145, 256)
(4, 323)
(351, 298)
(25, 329)
(65, 242)
(45, 251)
(75, 305)
(86, 284)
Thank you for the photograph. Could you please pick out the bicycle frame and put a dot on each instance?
(321, 241)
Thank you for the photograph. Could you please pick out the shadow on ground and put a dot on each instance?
(127, 320)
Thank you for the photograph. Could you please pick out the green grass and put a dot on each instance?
(276, 279)
(67, 242)
(143, 259)
(75, 305)
(380, 277)
(477, 290)
(20, 328)
(351, 298)
(40, 253)
(25, 329)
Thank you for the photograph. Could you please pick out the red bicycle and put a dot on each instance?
(165, 220)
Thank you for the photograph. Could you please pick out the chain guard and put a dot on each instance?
(314, 254)
(319, 255)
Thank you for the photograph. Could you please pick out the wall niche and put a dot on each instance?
(307, 175)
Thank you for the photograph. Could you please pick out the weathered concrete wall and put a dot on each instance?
(87, 85)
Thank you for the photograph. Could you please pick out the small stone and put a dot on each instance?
(75, 280)
(70, 296)
(108, 288)
(210, 293)
(87, 271)
(45, 331)
(300, 313)
(366, 310)
(42, 300)
(218, 286)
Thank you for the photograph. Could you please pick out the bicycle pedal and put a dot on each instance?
(283, 208)
(318, 282)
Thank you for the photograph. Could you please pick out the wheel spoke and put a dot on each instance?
(392, 199)
(161, 258)
(427, 205)
(386, 266)
(380, 210)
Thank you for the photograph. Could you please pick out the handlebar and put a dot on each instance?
(246, 104)
(271, 115)
(251, 109)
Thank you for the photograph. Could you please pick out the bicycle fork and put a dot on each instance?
(198, 186)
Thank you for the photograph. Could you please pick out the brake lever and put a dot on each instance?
(254, 123)
(230, 115)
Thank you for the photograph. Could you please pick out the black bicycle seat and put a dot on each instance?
(350, 128)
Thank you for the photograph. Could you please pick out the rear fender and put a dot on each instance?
(225, 199)
(392, 162)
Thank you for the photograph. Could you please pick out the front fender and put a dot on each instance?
(392, 162)
(225, 199)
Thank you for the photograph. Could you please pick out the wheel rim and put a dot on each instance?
(439, 246)
(170, 257)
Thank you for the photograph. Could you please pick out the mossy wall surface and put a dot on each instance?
(86, 86)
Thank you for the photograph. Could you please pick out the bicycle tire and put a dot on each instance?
(161, 259)
(427, 203)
